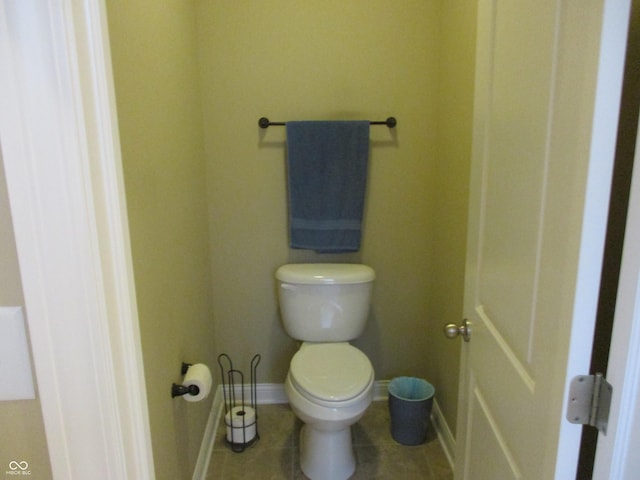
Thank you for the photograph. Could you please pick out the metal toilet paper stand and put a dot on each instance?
(240, 417)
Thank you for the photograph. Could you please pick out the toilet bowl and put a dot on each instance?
(330, 382)
(329, 386)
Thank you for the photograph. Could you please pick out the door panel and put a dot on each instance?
(514, 166)
(537, 194)
(486, 434)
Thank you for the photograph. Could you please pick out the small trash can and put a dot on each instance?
(410, 403)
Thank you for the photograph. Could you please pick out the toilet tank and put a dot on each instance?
(324, 302)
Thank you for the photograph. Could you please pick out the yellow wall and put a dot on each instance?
(205, 255)
(158, 100)
(450, 196)
(23, 437)
(319, 60)
(342, 60)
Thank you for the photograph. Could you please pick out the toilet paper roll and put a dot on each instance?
(239, 419)
(200, 376)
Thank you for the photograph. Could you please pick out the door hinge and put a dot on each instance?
(589, 401)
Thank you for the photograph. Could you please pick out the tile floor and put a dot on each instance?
(275, 454)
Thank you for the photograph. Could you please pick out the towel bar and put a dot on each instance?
(264, 122)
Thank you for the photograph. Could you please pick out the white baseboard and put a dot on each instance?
(271, 393)
(447, 440)
(209, 437)
(380, 390)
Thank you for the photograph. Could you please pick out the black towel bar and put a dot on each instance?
(264, 123)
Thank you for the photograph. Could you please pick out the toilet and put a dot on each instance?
(330, 382)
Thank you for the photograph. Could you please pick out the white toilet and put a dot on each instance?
(330, 382)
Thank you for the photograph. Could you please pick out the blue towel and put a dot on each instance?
(327, 173)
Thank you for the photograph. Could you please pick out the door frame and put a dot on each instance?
(613, 457)
(61, 153)
(616, 15)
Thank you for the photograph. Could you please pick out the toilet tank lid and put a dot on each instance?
(325, 273)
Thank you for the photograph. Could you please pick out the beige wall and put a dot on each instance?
(342, 60)
(158, 100)
(450, 196)
(287, 60)
(23, 437)
(319, 60)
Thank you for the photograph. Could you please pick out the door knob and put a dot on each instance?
(451, 330)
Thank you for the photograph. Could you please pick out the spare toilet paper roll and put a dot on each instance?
(239, 419)
(200, 376)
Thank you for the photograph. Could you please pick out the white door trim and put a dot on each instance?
(61, 155)
(602, 152)
(615, 459)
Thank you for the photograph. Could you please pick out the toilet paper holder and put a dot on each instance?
(179, 390)
(241, 417)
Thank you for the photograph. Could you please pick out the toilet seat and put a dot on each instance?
(333, 372)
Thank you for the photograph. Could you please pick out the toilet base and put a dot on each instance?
(326, 455)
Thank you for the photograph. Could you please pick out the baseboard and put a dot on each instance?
(209, 437)
(380, 390)
(447, 440)
(270, 393)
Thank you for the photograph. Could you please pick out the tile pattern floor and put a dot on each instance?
(275, 454)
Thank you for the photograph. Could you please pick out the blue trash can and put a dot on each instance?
(410, 403)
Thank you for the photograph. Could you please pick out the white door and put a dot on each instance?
(546, 102)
